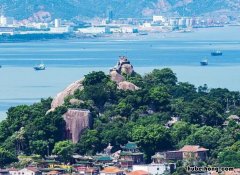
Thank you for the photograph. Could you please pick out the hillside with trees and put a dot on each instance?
(120, 116)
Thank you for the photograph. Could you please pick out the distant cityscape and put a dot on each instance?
(9, 27)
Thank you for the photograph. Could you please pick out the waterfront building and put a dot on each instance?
(188, 22)
(57, 23)
(7, 31)
(93, 30)
(5, 21)
(159, 19)
(127, 29)
(60, 30)
(182, 22)
(173, 22)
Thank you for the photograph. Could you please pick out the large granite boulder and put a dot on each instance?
(125, 85)
(59, 99)
(76, 121)
(123, 67)
(115, 76)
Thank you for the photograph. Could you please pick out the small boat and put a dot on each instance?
(39, 67)
(204, 62)
(216, 53)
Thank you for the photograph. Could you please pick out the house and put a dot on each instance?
(111, 171)
(4, 172)
(13, 171)
(104, 160)
(154, 169)
(29, 171)
(130, 155)
(91, 171)
(194, 151)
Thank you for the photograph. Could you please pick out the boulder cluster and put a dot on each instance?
(79, 119)
(123, 67)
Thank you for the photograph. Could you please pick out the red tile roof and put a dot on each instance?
(111, 169)
(192, 148)
(139, 172)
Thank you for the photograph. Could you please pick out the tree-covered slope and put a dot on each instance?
(125, 115)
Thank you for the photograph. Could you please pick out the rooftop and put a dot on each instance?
(111, 169)
(139, 172)
(192, 148)
(130, 145)
(104, 158)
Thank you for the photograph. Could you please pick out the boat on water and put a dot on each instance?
(0, 66)
(40, 67)
(204, 62)
(216, 53)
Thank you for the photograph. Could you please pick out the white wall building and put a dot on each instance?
(173, 22)
(61, 30)
(127, 29)
(154, 169)
(159, 19)
(26, 171)
(182, 22)
(5, 21)
(57, 23)
(92, 30)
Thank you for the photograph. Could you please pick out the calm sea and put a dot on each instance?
(69, 60)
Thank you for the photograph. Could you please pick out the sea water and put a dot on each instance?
(69, 60)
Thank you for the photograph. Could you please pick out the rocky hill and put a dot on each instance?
(47, 9)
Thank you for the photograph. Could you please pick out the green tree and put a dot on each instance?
(152, 138)
(159, 98)
(6, 157)
(229, 158)
(64, 149)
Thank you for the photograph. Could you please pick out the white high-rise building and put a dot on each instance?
(182, 22)
(3, 21)
(57, 23)
(159, 19)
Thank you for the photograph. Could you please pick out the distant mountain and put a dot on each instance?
(46, 9)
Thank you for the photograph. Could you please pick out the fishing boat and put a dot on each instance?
(216, 53)
(40, 67)
(204, 62)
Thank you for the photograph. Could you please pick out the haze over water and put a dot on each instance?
(69, 60)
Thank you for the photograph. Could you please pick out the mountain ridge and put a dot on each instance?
(68, 9)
